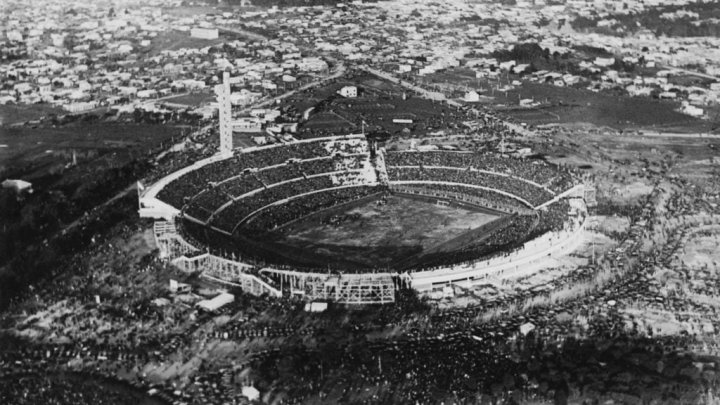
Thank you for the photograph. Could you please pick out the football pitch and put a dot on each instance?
(379, 232)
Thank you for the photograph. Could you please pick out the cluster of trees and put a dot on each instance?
(541, 59)
(538, 58)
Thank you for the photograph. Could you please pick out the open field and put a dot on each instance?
(376, 235)
(13, 113)
(570, 105)
(193, 99)
(33, 151)
(701, 252)
(379, 102)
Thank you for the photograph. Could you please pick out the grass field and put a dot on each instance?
(374, 235)
(570, 105)
(13, 113)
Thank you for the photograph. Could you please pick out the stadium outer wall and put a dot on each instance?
(351, 288)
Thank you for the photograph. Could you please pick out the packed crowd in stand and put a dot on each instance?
(203, 205)
(531, 193)
(477, 196)
(195, 181)
(294, 170)
(535, 170)
(278, 215)
(509, 233)
(553, 218)
(232, 215)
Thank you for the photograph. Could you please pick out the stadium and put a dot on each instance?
(342, 219)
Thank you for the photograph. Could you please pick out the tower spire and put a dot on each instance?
(222, 91)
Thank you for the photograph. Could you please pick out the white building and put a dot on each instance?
(217, 302)
(526, 328)
(316, 307)
(14, 36)
(247, 124)
(348, 91)
(691, 110)
(260, 139)
(251, 393)
(312, 65)
(17, 185)
(604, 62)
(80, 106)
(205, 33)
(472, 96)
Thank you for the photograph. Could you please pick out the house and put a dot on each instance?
(472, 96)
(604, 62)
(521, 68)
(244, 97)
(147, 93)
(14, 36)
(18, 186)
(507, 65)
(312, 64)
(526, 328)
(247, 124)
(216, 303)
(634, 90)
(251, 393)
(691, 110)
(179, 288)
(260, 140)
(80, 106)
(316, 307)
(348, 92)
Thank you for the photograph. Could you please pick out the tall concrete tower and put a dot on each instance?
(223, 98)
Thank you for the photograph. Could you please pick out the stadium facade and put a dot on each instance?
(198, 208)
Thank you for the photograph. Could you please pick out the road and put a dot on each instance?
(691, 72)
(655, 134)
(249, 34)
(135, 103)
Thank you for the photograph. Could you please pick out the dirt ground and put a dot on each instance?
(701, 252)
(379, 234)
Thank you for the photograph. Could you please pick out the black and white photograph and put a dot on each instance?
(362, 202)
